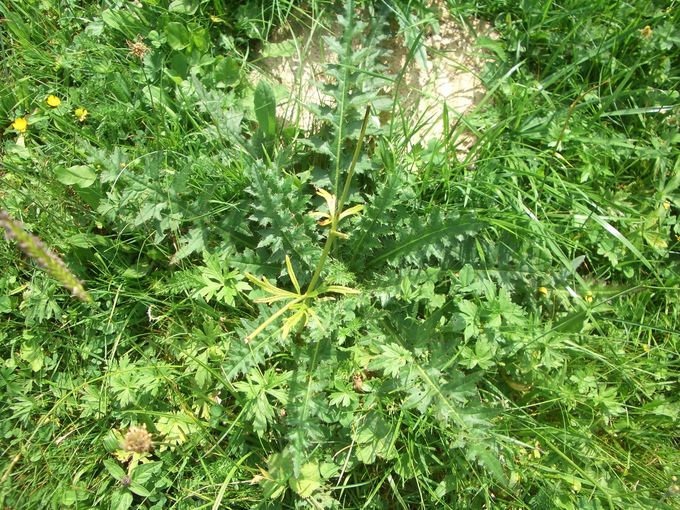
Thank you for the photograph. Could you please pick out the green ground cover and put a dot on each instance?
(249, 315)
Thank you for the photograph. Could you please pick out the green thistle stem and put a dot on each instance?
(335, 218)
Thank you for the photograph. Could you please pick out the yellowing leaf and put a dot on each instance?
(356, 209)
(175, 429)
(655, 240)
(276, 293)
(330, 200)
(291, 273)
(340, 289)
(308, 481)
(293, 320)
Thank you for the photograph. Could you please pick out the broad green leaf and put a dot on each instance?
(467, 275)
(109, 18)
(114, 469)
(227, 71)
(33, 354)
(70, 497)
(655, 240)
(265, 108)
(572, 323)
(176, 428)
(276, 482)
(179, 67)
(177, 35)
(139, 489)
(95, 28)
(200, 38)
(375, 438)
(79, 175)
(494, 45)
(121, 500)
(120, 19)
(5, 304)
(144, 472)
(184, 6)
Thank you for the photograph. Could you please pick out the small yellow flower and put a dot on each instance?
(20, 124)
(589, 298)
(646, 32)
(53, 101)
(81, 113)
(666, 205)
(543, 290)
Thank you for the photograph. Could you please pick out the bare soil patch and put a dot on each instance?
(445, 74)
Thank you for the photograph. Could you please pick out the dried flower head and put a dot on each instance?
(138, 440)
(646, 32)
(47, 260)
(358, 382)
(258, 478)
(137, 48)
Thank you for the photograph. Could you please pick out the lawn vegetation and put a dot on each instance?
(202, 306)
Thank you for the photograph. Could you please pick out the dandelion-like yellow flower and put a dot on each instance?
(53, 101)
(20, 124)
(646, 32)
(543, 290)
(81, 114)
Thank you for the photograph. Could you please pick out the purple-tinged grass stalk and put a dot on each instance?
(47, 260)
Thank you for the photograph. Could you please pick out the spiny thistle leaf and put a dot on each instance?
(421, 238)
(279, 212)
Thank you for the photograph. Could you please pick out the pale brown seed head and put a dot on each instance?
(358, 382)
(137, 48)
(138, 440)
